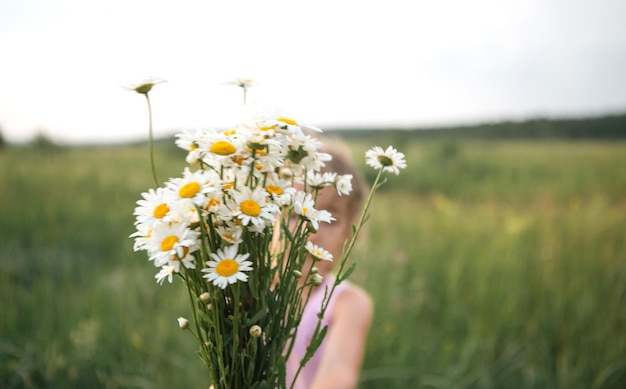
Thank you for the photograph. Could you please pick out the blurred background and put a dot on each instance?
(496, 260)
(339, 64)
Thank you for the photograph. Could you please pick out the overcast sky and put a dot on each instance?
(63, 63)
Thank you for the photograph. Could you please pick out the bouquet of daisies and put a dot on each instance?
(234, 228)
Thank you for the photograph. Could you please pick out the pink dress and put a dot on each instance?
(305, 332)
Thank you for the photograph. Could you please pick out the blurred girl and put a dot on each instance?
(337, 362)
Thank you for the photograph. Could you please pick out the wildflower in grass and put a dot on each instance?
(390, 160)
(227, 267)
(317, 252)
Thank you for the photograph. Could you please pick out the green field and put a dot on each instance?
(492, 264)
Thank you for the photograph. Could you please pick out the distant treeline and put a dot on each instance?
(604, 127)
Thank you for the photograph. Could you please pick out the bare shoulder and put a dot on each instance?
(355, 305)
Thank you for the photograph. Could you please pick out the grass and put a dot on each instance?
(492, 264)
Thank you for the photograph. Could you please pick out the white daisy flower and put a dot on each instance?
(317, 252)
(227, 267)
(146, 86)
(275, 117)
(171, 240)
(227, 151)
(141, 236)
(318, 180)
(167, 271)
(154, 207)
(243, 83)
(192, 140)
(267, 154)
(304, 206)
(390, 160)
(195, 186)
(343, 184)
(230, 235)
(253, 207)
(320, 216)
(280, 190)
(302, 153)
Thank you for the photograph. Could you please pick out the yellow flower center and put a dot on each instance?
(228, 237)
(161, 210)
(250, 208)
(257, 151)
(212, 203)
(317, 254)
(222, 147)
(288, 121)
(189, 190)
(238, 159)
(227, 267)
(168, 243)
(274, 189)
(229, 185)
(267, 128)
(185, 252)
(231, 131)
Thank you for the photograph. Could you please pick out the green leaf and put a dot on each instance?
(260, 314)
(347, 272)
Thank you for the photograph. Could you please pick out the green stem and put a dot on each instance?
(151, 140)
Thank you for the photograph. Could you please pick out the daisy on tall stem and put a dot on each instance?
(214, 228)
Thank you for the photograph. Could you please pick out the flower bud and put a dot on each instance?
(297, 273)
(286, 173)
(317, 279)
(314, 270)
(183, 323)
(256, 331)
(205, 297)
